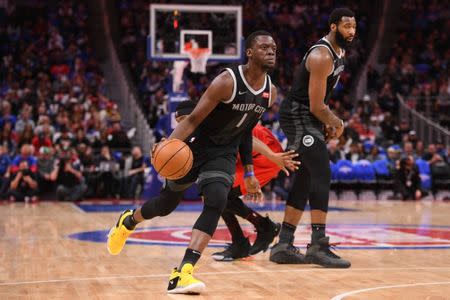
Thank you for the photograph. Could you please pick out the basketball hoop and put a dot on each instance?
(199, 58)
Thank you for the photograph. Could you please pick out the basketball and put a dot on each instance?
(172, 159)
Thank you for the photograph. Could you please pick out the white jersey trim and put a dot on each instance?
(329, 44)
(248, 85)
(233, 95)
(322, 45)
(270, 92)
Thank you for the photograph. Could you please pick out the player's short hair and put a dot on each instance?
(251, 38)
(337, 14)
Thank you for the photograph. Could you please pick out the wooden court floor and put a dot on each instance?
(398, 251)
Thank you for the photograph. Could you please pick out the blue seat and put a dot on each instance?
(364, 171)
(345, 172)
(381, 168)
(425, 173)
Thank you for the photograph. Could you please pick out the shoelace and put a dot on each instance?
(326, 248)
(294, 249)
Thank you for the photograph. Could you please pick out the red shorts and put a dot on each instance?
(265, 171)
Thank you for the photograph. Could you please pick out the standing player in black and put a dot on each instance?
(223, 121)
(308, 123)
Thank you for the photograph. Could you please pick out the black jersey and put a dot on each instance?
(296, 106)
(231, 118)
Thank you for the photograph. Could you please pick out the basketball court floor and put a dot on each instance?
(54, 250)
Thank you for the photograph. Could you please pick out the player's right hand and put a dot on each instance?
(330, 133)
(340, 130)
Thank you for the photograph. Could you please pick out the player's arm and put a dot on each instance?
(251, 182)
(319, 64)
(221, 89)
(284, 160)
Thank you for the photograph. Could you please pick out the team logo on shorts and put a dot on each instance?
(308, 140)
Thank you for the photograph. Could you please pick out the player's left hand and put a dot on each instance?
(286, 162)
(155, 145)
(253, 188)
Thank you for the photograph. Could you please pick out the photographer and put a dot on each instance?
(70, 181)
(24, 186)
(407, 180)
(135, 174)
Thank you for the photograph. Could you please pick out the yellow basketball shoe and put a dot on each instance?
(183, 282)
(118, 234)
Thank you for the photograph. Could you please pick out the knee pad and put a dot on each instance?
(320, 190)
(208, 220)
(161, 205)
(215, 194)
(298, 195)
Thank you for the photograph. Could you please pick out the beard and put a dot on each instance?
(342, 42)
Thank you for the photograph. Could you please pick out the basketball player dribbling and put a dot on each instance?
(303, 117)
(224, 118)
(268, 160)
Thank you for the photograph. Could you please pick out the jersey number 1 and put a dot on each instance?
(242, 120)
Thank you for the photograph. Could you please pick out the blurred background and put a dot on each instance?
(87, 87)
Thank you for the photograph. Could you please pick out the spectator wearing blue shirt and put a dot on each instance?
(25, 154)
(6, 114)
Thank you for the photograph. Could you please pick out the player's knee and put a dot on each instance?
(162, 205)
(208, 220)
(296, 202)
(319, 197)
(216, 194)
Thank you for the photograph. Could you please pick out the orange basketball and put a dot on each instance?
(172, 159)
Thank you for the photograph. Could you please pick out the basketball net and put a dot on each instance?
(199, 58)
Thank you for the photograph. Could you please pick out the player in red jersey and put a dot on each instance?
(268, 160)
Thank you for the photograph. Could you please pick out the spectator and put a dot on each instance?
(24, 120)
(355, 153)
(70, 181)
(392, 157)
(407, 180)
(5, 168)
(118, 138)
(408, 150)
(25, 154)
(135, 175)
(64, 141)
(80, 138)
(8, 138)
(45, 166)
(41, 140)
(374, 154)
(26, 136)
(334, 152)
(109, 169)
(24, 186)
(432, 156)
(420, 149)
(6, 114)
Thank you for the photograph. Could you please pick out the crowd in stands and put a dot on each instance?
(374, 136)
(60, 134)
(418, 66)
